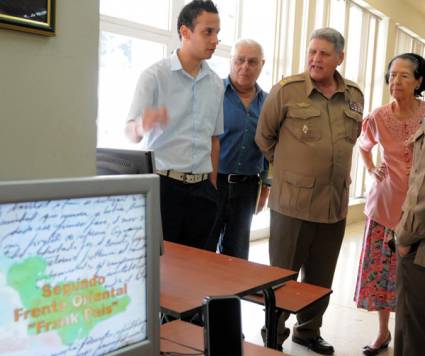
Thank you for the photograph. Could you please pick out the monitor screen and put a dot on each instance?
(116, 161)
(79, 263)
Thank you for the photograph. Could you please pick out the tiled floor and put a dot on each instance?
(347, 328)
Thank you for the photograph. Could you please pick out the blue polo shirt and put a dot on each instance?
(239, 154)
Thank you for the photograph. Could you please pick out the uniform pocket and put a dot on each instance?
(304, 123)
(352, 123)
(297, 191)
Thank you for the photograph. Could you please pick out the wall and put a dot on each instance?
(48, 96)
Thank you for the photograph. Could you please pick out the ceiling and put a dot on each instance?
(417, 4)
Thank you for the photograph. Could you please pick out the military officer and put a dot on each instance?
(307, 130)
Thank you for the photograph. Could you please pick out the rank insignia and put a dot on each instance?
(305, 129)
(282, 82)
(357, 107)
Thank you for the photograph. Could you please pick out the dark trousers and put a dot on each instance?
(410, 311)
(188, 211)
(313, 249)
(236, 207)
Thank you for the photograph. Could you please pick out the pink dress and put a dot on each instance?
(375, 289)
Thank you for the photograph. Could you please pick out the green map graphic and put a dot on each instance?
(44, 314)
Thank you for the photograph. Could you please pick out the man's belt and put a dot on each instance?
(183, 177)
(238, 178)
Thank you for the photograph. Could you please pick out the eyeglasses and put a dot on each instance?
(252, 62)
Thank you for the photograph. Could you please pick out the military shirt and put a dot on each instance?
(309, 138)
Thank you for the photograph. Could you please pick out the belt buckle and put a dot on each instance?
(185, 180)
(229, 178)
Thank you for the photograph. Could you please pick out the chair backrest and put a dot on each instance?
(116, 161)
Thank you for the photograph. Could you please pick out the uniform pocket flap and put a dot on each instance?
(353, 115)
(303, 113)
(299, 181)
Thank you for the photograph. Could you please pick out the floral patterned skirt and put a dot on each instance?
(376, 279)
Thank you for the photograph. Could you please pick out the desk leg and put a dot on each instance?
(271, 318)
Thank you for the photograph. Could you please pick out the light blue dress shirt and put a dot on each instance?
(195, 110)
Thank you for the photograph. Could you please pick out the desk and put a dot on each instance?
(177, 335)
(189, 274)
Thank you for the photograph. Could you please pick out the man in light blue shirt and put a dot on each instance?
(177, 111)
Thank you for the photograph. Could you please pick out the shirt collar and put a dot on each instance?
(229, 86)
(176, 65)
(175, 62)
(340, 88)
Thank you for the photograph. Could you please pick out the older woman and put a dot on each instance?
(389, 126)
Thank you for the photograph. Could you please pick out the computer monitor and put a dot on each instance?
(79, 266)
(116, 161)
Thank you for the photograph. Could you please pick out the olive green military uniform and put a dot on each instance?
(309, 139)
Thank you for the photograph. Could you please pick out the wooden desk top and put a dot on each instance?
(189, 274)
(184, 334)
(172, 347)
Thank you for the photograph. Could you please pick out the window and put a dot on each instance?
(122, 59)
(337, 16)
(407, 41)
(133, 35)
(228, 20)
(138, 12)
(261, 15)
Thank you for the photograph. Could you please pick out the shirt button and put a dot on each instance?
(243, 147)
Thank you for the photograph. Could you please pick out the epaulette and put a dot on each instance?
(350, 83)
(291, 79)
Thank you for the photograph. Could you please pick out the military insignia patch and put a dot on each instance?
(282, 82)
(357, 107)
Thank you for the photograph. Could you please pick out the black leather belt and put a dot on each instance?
(237, 178)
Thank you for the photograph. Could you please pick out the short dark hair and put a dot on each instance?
(418, 70)
(191, 11)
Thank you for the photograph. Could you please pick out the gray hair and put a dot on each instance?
(247, 42)
(331, 35)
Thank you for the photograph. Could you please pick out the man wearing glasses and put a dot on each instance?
(241, 161)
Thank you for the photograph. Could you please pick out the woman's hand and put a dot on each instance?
(379, 172)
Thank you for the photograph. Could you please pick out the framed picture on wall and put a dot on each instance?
(36, 16)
